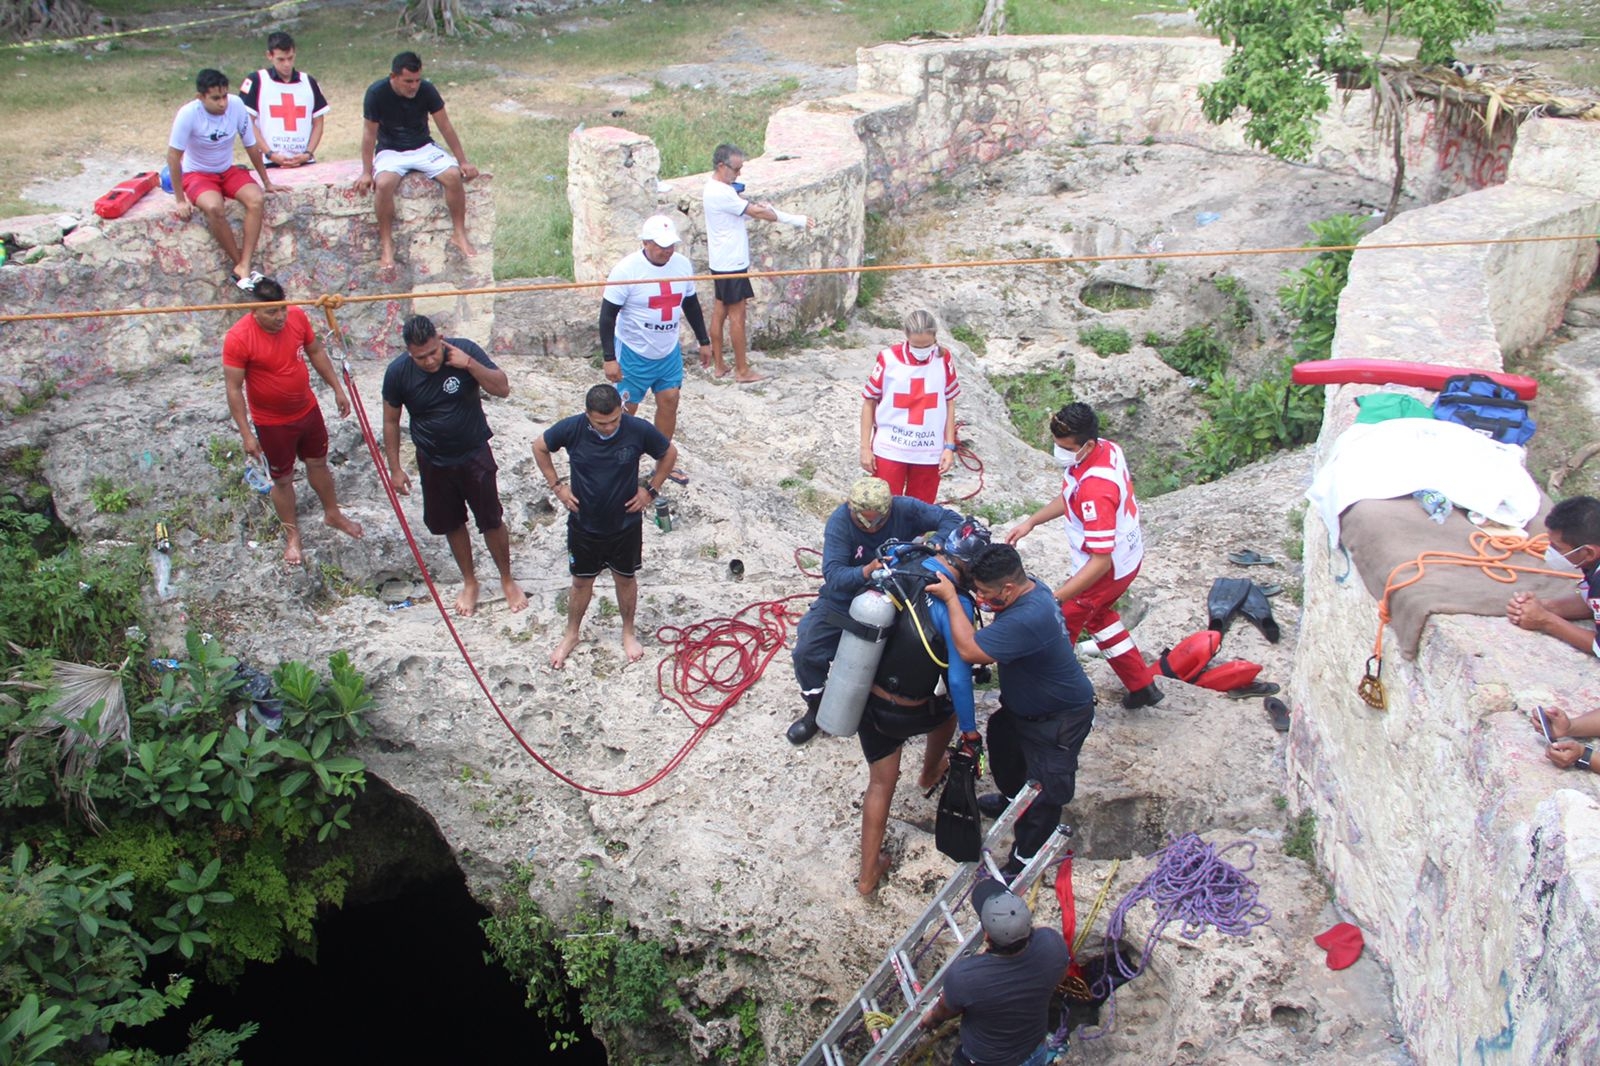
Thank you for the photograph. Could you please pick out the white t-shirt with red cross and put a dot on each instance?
(913, 403)
(284, 109)
(648, 320)
(1102, 517)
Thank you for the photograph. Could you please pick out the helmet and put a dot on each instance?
(966, 540)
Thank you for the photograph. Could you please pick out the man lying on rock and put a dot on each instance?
(1574, 529)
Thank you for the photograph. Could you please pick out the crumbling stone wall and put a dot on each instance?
(319, 237)
(924, 111)
(1467, 858)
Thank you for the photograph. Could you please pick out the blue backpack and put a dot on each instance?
(1485, 406)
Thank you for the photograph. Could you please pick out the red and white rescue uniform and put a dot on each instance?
(1102, 518)
(284, 110)
(912, 398)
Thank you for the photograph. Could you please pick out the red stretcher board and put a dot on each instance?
(115, 203)
(1394, 372)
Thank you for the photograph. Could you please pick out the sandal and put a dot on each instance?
(1279, 713)
(1250, 557)
(1252, 690)
(678, 477)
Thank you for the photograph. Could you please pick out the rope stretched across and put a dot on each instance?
(876, 268)
(1193, 884)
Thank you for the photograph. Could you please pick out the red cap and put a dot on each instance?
(1343, 944)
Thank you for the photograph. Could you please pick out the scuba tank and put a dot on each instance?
(856, 662)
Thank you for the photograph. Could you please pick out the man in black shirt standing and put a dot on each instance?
(605, 504)
(396, 141)
(439, 381)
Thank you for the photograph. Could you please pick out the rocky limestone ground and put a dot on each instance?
(744, 857)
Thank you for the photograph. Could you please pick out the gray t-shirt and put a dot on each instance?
(1005, 999)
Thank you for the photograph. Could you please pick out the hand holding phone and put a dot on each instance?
(1544, 724)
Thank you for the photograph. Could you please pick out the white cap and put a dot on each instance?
(660, 230)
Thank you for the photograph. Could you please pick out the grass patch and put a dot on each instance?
(882, 240)
(1105, 340)
(1032, 397)
(970, 337)
(1197, 353)
(1566, 425)
(1114, 296)
(1300, 838)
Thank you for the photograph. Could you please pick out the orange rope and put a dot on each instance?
(1490, 554)
(339, 300)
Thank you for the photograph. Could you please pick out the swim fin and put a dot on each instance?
(1259, 611)
(957, 831)
(1227, 595)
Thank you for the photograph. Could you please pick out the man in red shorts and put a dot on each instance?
(200, 160)
(261, 362)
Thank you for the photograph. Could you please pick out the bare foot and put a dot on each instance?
(467, 602)
(343, 523)
(868, 884)
(515, 597)
(463, 245)
(385, 258)
(631, 645)
(558, 658)
(750, 377)
(291, 547)
(925, 782)
(720, 371)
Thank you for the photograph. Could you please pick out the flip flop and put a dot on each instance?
(248, 282)
(1270, 590)
(1253, 689)
(1278, 711)
(678, 477)
(1250, 557)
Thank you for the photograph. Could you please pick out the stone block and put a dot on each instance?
(1558, 153)
(31, 231)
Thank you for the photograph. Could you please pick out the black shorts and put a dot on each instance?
(886, 726)
(732, 290)
(448, 492)
(621, 553)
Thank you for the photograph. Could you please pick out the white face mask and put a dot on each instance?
(1557, 560)
(922, 355)
(1067, 459)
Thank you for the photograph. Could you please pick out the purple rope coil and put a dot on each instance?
(1191, 883)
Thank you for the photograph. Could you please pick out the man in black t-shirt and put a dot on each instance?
(439, 381)
(605, 504)
(396, 141)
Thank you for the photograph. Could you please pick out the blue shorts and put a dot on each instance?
(641, 375)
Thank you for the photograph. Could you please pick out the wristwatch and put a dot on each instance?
(653, 491)
(1588, 753)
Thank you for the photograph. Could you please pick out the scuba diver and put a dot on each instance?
(901, 701)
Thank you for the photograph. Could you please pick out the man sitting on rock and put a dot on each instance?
(1574, 529)
(1003, 994)
(870, 518)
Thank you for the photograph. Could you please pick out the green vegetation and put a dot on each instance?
(108, 497)
(1240, 313)
(1032, 397)
(1105, 340)
(1285, 50)
(1247, 423)
(970, 337)
(1300, 842)
(141, 822)
(1311, 296)
(1197, 353)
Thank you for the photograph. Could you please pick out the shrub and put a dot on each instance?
(1198, 353)
(1311, 296)
(1105, 340)
(1032, 397)
(1247, 423)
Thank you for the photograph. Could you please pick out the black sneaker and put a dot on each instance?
(992, 804)
(802, 729)
(1148, 696)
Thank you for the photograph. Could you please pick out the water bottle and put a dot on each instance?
(663, 517)
(1436, 503)
(161, 562)
(257, 477)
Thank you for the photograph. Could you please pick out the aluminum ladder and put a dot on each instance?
(897, 982)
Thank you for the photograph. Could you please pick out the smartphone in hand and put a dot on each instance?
(1544, 724)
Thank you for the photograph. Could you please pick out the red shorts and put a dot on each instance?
(228, 183)
(304, 438)
(917, 480)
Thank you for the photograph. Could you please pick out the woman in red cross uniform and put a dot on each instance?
(1102, 524)
(908, 412)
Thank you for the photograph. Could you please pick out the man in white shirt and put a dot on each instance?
(200, 160)
(639, 315)
(728, 247)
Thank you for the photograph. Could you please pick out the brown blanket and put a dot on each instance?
(1382, 534)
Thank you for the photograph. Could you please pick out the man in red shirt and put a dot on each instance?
(1101, 518)
(261, 360)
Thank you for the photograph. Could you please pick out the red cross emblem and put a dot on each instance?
(917, 401)
(667, 302)
(290, 112)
